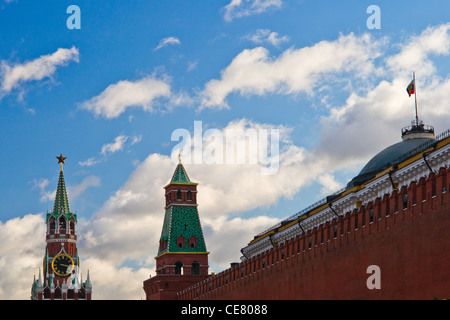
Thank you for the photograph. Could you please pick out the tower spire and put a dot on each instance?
(180, 175)
(61, 205)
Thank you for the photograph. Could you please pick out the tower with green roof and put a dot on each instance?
(61, 263)
(182, 258)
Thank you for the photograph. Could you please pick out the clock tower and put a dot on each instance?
(182, 259)
(61, 277)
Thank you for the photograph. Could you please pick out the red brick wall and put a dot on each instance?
(410, 245)
(166, 287)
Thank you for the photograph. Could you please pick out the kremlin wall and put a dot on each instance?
(391, 222)
(410, 244)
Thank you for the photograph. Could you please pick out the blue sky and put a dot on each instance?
(109, 96)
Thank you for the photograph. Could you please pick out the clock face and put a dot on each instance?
(62, 265)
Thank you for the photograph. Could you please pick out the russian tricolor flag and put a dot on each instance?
(411, 87)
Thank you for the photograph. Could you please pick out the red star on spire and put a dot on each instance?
(61, 159)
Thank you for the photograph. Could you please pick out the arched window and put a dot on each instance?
(72, 225)
(195, 268)
(47, 293)
(58, 294)
(189, 195)
(52, 225)
(179, 195)
(70, 294)
(62, 223)
(178, 267)
(181, 241)
(193, 242)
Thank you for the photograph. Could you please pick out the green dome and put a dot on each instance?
(388, 156)
(413, 137)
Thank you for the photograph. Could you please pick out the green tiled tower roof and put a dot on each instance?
(180, 175)
(182, 222)
(61, 201)
(61, 205)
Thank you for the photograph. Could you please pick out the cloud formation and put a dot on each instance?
(379, 112)
(115, 146)
(255, 72)
(12, 76)
(261, 36)
(167, 41)
(21, 253)
(244, 8)
(118, 97)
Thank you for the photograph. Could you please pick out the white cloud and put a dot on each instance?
(115, 146)
(167, 41)
(89, 162)
(414, 54)
(116, 98)
(265, 35)
(243, 8)
(21, 252)
(89, 181)
(192, 65)
(109, 148)
(254, 72)
(116, 283)
(136, 139)
(42, 185)
(329, 184)
(377, 115)
(12, 76)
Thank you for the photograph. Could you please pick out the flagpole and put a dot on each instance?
(415, 97)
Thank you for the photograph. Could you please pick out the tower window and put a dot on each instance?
(195, 268)
(72, 226)
(181, 242)
(189, 195)
(193, 242)
(52, 225)
(179, 195)
(178, 267)
(62, 223)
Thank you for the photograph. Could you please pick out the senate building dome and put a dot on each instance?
(414, 137)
